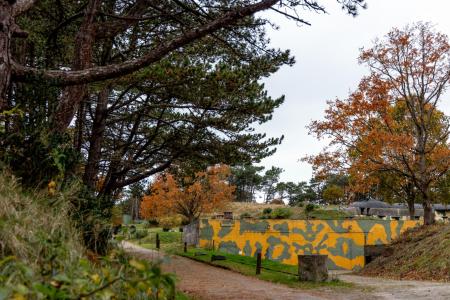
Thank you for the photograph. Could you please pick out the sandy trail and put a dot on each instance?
(206, 282)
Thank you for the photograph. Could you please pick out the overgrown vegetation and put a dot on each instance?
(42, 256)
(421, 253)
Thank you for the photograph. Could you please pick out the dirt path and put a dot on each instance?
(401, 289)
(207, 282)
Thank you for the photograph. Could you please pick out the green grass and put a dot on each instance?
(247, 266)
(183, 296)
(322, 214)
(170, 242)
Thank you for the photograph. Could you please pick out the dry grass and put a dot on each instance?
(253, 209)
(421, 253)
(32, 223)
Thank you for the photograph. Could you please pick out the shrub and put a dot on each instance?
(277, 201)
(82, 280)
(140, 234)
(281, 213)
(309, 208)
(244, 215)
(168, 223)
(41, 256)
(152, 223)
(267, 211)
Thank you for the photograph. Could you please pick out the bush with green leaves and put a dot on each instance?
(309, 208)
(140, 234)
(152, 223)
(113, 277)
(281, 213)
(267, 211)
(42, 257)
(245, 215)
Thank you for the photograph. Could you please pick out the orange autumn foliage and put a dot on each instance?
(391, 123)
(206, 192)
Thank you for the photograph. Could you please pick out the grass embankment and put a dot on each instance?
(42, 257)
(421, 253)
(272, 271)
(255, 211)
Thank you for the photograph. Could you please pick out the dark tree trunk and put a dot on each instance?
(96, 139)
(78, 139)
(411, 200)
(74, 95)
(6, 32)
(412, 211)
(428, 214)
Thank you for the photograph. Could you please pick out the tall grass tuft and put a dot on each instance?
(30, 222)
(42, 257)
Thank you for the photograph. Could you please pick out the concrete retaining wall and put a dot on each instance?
(282, 240)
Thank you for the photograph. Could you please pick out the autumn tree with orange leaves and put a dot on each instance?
(205, 192)
(390, 131)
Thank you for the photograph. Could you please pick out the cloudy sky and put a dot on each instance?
(326, 67)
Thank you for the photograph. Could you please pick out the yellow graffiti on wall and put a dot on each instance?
(282, 240)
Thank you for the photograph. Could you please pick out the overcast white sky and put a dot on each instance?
(326, 67)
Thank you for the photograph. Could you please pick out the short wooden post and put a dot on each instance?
(213, 248)
(157, 241)
(185, 247)
(258, 263)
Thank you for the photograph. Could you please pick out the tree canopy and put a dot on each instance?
(190, 197)
(389, 132)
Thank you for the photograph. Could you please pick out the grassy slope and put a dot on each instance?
(422, 254)
(255, 210)
(29, 222)
(41, 255)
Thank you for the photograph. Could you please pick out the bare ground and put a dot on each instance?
(206, 282)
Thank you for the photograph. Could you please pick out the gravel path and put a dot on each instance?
(401, 289)
(207, 282)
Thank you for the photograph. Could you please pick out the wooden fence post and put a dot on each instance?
(258, 263)
(157, 241)
(185, 247)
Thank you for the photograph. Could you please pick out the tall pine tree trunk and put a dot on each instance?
(96, 139)
(6, 32)
(74, 95)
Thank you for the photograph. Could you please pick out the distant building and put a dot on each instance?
(396, 211)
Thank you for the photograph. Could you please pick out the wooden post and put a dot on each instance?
(258, 263)
(185, 247)
(213, 245)
(157, 241)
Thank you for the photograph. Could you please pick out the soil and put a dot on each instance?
(202, 281)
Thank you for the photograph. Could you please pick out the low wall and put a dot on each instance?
(282, 240)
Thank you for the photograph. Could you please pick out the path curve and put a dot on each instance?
(208, 282)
